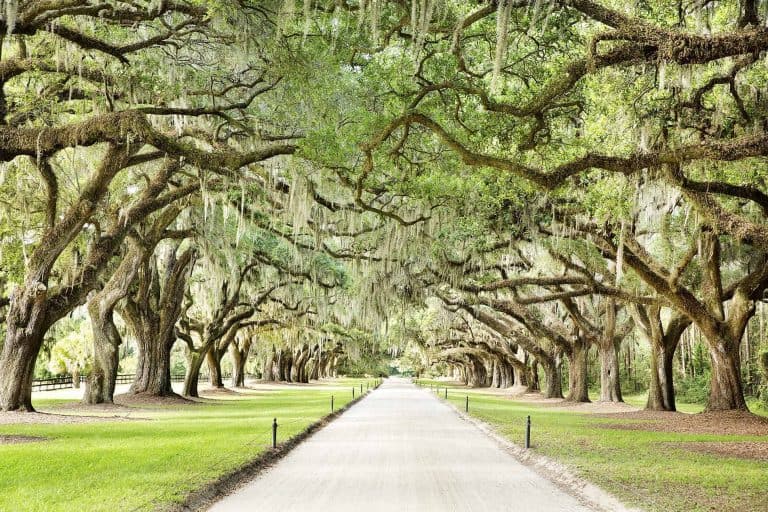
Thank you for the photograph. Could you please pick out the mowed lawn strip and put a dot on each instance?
(140, 464)
(649, 469)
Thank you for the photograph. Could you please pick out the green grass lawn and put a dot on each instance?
(141, 464)
(643, 468)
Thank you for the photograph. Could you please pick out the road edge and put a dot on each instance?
(554, 471)
(204, 497)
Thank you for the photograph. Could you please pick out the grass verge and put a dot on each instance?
(656, 471)
(156, 458)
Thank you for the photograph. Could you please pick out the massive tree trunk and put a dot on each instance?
(314, 364)
(151, 313)
(239, 350)
(608, 349)
(26, 326)
(554, 388)
(192, 378)
(610, 382)
(239, 358)
(214, 368)
(726, 391)
(299, 373)
(282, 366)
(495, 373)
(477, 371)
(577, 372)
(153, 373)
(507, 374)
(723, 334)
(100, 387)
(663, 343)
(661, 390)
(268, 370)
(332, 360)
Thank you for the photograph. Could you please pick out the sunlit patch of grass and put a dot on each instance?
(140, 464)
(643, 468)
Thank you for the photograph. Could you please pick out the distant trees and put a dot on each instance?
(637, 134)
(557, 180)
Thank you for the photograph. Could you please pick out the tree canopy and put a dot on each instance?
(504, 190)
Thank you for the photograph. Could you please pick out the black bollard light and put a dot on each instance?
(446, 393)
(353, 393)
(331, 404)
(528, 433)
(274, 433)
(361, 388)
(466, 404)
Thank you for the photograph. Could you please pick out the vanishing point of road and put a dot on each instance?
(399, 449)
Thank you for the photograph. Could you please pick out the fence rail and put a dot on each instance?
(52, 383)
(66, 382)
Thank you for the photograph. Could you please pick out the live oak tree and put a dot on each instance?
(549, 176)
(91, 107)
(574, 96)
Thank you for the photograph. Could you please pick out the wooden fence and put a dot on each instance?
(65, 382)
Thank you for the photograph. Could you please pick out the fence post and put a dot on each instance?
(274, 433)
(528, 433)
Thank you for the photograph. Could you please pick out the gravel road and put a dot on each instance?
(399, 449)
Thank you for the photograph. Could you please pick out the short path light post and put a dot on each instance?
(528, 433)
(446, 393)
(466, 404)
(353, 393)
(361, 388)
(331, 404)
(274, 433)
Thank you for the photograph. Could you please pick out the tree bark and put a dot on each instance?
(726, 390)
(239, 358)
(477, 372)
(577, 372)
(268, 372)
(495, 373)
(26, 326)
(314, 363)
(100, 387)
(533, 376)
(610, 382)
(300, 362)
(153, 373)
(192, 377)
(214, 368)
(554, 387)
(151, 313)
(663, 343)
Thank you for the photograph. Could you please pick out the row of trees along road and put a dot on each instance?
(497, 186)
(598, 172)
(148, 175)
